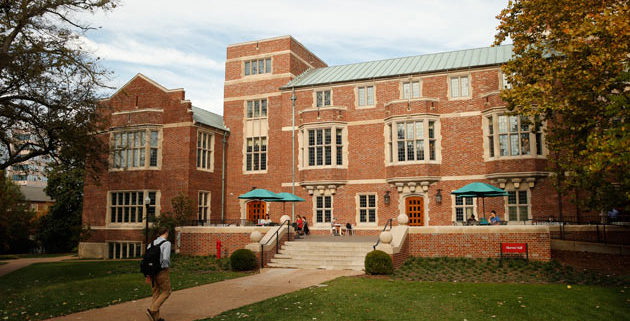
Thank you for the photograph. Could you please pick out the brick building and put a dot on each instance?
(160, 146)
(372, 140)
(380, 138)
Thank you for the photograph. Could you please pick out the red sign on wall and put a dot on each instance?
(514, 247)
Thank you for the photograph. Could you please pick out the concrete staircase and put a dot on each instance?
(302, 254)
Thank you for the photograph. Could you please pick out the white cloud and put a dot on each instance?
(183, 43)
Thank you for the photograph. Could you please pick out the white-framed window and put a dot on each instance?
(203, 206)
(517, 203)
(413, 140)
(135, 149)
(258, 66)
(323, 98)
(459, 86)
(124, 250)
(512, 136)
(256, 154)
(205, 150)
(256, 109)
(367, 208)
(464, 207)
(324, 147)
(365, 95)
(128, 207)
(411, 89)
(323, 209)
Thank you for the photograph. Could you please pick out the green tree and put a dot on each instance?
(60, 229)
(48, 83)
(183, 212)
(15, 218)
(570, 68)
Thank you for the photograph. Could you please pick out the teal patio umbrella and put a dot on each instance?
(260, 194)
(482, 190)
(285, 198)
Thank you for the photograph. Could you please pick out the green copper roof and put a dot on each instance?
(452, 60)
(208, 118)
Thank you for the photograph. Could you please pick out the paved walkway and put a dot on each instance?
(17, 264)
(212, 299)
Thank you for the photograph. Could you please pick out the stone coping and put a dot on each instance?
(224, 229)
(478, 229)
(588, 228)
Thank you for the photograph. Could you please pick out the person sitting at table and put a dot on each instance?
(306, 230)
(494, 219)
(266, 221)
(471, 220)
(335, 229)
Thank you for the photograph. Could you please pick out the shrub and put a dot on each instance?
(243, 260)
(378, 262)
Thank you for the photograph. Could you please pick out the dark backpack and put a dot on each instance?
(151, 265)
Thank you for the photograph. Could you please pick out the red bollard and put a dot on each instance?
(218, 249)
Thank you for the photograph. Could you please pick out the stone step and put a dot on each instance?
(316, 266)
(311, 255)
(320, 260)
(330, 252)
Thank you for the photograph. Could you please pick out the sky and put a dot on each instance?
(182, 44)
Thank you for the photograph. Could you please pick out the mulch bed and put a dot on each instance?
(604, 263)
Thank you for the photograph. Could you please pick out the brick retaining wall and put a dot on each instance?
(477, 241)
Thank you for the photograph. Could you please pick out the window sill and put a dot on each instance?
(323, 167)
(208, 170)
(245, 172)
(134, 169)
(433, 162)
(500, 158)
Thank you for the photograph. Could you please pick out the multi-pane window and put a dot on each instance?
(323, 98)
(367, 208)
(460, 86)
(258, 66)
(514, 136)
(411, 89)
(511, 135)
(205, 145)
(413, 139)
(366, 96)
(464, 208)
(129, 207)
(517, 206)
(124, 250)
(256, 154)
(321, 146)
(323, 209)
(490, 136)
(135, 149)
(203, 206)
(257, 108)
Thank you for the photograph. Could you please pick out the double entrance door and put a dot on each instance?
(256, 210)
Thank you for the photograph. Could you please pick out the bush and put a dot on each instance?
(378, 262)
(243, 260)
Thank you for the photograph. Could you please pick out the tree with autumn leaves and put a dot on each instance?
(571, 69)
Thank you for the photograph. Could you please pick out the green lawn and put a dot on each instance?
(43, 290)
(364, 298)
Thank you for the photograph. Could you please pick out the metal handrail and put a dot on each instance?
(389, 222)
(262, 246)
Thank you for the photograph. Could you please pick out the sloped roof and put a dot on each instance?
(404, 66)
(34, 193)
(208, 118)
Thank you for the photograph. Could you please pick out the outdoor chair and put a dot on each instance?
(348, 231)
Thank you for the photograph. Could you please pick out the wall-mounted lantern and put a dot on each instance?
(438, 196)
(386, 198)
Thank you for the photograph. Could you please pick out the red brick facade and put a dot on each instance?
(143, 104)
(366, 168)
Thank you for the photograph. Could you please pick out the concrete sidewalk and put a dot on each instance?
(17, 264)
(212, 299)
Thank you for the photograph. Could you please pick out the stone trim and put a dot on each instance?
(478, 229)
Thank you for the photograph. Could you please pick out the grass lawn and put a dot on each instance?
(44, 290)
(366, 298)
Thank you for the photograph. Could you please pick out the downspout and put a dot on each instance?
(293, 153)
(225, 135)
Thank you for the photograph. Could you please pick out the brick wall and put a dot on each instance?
(477, 241)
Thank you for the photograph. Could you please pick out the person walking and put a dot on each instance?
(160, 283)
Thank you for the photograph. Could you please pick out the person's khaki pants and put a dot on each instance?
(161, 291)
